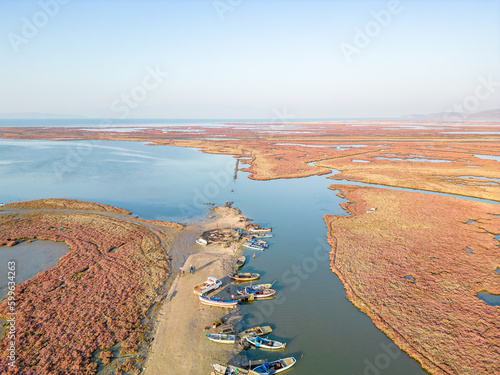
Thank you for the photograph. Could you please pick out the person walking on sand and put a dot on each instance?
(191, 269)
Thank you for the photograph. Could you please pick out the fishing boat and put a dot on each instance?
(241, 261)
(275, 366)
(262, 343)
(218, 302)
(202, 241)
(231, 370)
(255, 331)
(253, 246)
(245, 276)
(262, 235)
(258, 293)
(257, 286)
(212, 283)
(256, 228)
(261, 243)
(223, 339)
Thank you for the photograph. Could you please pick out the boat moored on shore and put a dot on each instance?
(241, 261)
(202, 241)
(255, 331)
(258, 293)
(244, 276)
(256, 228)
(275, 366)
(257, 286)
(218, 302)
(231, 370)
(262, 235)
(263, 343)
(253, 246)
(223, 339)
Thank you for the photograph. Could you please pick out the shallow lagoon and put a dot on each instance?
(30, 258)
(324, 331)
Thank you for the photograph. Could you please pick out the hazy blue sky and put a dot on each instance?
(248, 58)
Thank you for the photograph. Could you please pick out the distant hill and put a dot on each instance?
(492, 114)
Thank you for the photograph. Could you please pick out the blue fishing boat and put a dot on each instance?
(275, 366)
(262, 235)
(262, 343)
(255, 244)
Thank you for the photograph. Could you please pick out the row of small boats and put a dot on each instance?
(259, 291)
(252, 336)
(257, 233)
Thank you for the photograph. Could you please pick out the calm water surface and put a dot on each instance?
(322, 328)
(30, 259)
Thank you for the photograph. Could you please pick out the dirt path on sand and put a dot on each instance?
(180, 345)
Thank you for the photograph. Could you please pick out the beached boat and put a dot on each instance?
(223, 339)
(231, 370)
(257, 293)
(253, 246)
(256, 228)
(255, 331)
(262, 235)
(241, 261)
(245, 276)
(202, 241)
(262, 343)
(212, 283)
(275, 366)
(218, 302)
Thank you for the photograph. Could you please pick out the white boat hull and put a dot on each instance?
(254, 246)
(222, 339)
(262, 344)
(217, 302)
